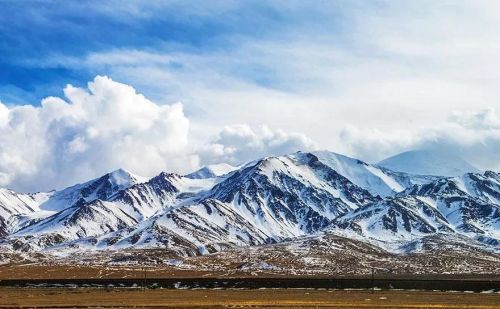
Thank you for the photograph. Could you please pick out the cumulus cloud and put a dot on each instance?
(93, 131)
(391, 65)
(237, 144)
(475, 135)
(4, 115)
(109, 126)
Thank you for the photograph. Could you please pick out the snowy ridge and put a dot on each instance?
(13, 204)
(265, 201)
(465, 206)
(212, 171)
(395, 219)
(377, 180)
(101, 188)
(469, 203)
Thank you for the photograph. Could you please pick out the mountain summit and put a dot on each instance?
(211, 171)
(424, 162)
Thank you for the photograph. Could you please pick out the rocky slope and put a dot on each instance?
(267, 201)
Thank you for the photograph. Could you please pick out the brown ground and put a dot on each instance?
(40, 271)
(128, 298)
(89, 272)
(325, 256)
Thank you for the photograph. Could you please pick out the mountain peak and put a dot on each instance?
(426, 162)
(124, 178)
(212, 171)
(266, 200)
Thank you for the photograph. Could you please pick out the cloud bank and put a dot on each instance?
(94, 131)
(241, 143)
(110, 126)
(315, 68)
(473, 135)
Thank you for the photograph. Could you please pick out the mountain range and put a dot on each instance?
(427, 162)
(269, 201)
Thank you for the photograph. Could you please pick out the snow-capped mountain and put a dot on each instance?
(377, 180)
(212, 171)
(425, 162)
(484, 186)
(295, 192)
(102, 188)
(465, 205)
(395, 219)
(14, 204)
(470, 203)
(200, 228)
(51, 214)
(268, 200)
(104, 207)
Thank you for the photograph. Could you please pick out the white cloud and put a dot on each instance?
(110, 126)
(4, 115)
(391, 66)
(237, 144)
(485, 120)
(105, 127)
(384, 75)
(473, 135)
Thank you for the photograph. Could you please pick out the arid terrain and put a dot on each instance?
(297, 298)
(326, 256)
(76, 272)
(98, 286)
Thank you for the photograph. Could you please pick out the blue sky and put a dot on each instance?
(253, 78)
(34, 33)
